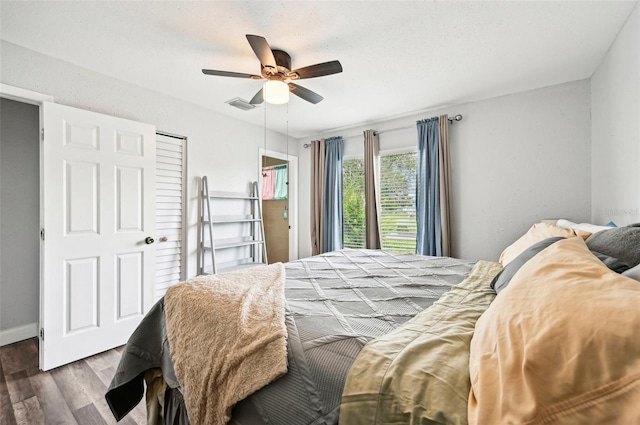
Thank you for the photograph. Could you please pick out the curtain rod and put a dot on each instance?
(268, 167)
(456, 117)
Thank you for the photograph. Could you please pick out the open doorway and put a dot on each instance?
(279, 207)
(275, 208)
(64, 184)
(19, 220)
(21, 164)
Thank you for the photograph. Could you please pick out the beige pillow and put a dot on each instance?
(559, 345)
(538, 232)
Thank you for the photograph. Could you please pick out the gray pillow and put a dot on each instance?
(622, 243)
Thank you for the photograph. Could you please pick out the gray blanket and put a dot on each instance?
(336, 302)
(147, 348)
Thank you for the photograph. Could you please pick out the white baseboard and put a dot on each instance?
(19, 333)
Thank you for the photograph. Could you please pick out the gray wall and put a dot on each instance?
(222, 148)
(19, 214)
(615, 125)
(516, 160)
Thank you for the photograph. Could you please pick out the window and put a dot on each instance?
(353, 230)
(398, 202)
(397, 198)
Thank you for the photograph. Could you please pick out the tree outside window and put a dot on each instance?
(353, 229)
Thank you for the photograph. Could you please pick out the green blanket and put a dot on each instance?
(419, 373)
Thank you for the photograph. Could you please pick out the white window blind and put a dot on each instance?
(398, 202)
(170, 176)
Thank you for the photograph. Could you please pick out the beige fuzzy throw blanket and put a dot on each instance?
(227, 338)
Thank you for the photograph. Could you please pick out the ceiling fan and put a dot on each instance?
(276, 67)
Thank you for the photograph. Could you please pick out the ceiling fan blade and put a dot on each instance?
(305, 94)
(230, 74)
(263, 51)
(258, 98)
(317, 70)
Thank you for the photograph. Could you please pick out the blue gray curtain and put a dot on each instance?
(332, 223)
(429, 234)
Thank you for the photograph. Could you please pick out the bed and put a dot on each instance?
(375, 337)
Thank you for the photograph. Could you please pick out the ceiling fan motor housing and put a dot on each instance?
(283, 61)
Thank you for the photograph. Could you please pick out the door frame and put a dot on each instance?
(34, 98)
(293, 194)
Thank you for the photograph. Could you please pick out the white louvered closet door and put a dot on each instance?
(170, 211)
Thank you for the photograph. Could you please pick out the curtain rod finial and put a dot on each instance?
(455, 118)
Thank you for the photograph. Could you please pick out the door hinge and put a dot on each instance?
(42, 234)
(42, 134)
(41, 334)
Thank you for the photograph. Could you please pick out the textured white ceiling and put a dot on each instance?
(398, 57)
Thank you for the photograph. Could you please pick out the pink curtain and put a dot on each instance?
(268, 183)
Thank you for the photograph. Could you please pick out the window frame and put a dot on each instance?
(382, 153)
(389, 152)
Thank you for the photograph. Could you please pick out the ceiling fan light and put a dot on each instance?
(276, 92)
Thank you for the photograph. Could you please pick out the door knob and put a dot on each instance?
(149, 240)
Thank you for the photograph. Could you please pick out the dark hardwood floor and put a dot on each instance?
(71, 394)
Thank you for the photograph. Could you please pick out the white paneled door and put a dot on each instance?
(98, 253)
